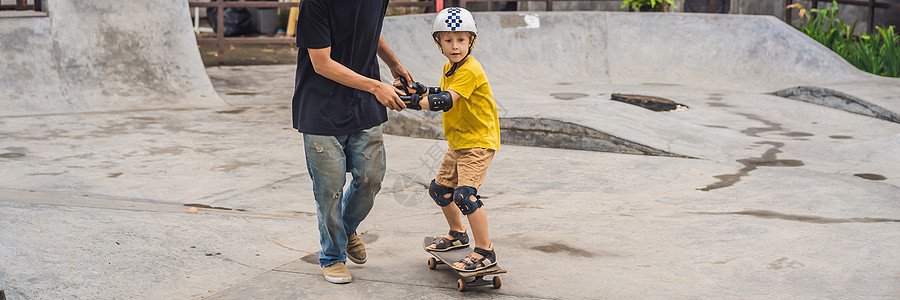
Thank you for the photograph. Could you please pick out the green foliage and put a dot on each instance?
(877, 54)
(637, 4)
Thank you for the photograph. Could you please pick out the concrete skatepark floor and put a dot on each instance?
(782, 198)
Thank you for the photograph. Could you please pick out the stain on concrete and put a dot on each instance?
(48, 174)
(715, 104)
(785, 263)
(146, 119)
(840, 137)
(12, 155)
(768, 159)
(241, 93)
(660, 84)
(563, 248)
(768, 214)
(368, 238)
(870, 176)
(211, 207)
(755, 131)
(233, 166)
(568, 96)
(311, 258)
(305, 213)
(716, 126)
(175, 150)
(796, 134)
(114, 175)
(233, 111)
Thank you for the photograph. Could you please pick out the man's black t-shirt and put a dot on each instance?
(352, 29)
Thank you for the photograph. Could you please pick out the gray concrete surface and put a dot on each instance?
(776, 204)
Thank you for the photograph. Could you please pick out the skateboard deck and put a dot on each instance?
(452, 256)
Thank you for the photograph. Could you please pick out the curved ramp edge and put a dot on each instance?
(527, 131)
(103, 55)
(838, 100)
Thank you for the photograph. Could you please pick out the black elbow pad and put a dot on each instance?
(440, 101)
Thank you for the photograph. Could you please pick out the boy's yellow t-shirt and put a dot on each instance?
(473, 121)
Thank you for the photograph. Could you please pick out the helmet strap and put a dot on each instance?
(463, 60)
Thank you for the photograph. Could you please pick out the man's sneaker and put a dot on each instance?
(337, 273)
(356, 251)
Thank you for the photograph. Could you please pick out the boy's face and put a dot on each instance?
(454, 45)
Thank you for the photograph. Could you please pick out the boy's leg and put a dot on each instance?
(366, 163)
(327, 167)
(472, 168)
(447, 177)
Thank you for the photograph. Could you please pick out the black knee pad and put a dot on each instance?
(437, 193)
(461, 198)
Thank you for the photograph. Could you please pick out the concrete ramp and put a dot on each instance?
(561, 68)
(102, 55)
(619, 48)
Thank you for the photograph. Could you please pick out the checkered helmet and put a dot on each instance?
(454, 19)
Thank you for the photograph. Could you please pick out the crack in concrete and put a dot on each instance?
(768, 214)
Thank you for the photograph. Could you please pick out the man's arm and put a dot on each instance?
(384, 92)
(397, 69)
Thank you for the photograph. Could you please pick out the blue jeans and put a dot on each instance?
(328, 159)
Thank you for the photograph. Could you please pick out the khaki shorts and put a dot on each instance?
(464, 167)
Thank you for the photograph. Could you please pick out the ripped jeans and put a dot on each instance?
(328, 159)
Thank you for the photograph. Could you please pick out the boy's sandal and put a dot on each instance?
(488, 259)
(442, 243)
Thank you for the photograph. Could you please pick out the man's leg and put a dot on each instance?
(366, 163)
(326, 163)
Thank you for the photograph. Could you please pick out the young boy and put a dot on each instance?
(472, 128)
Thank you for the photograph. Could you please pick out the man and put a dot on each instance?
(338, 106)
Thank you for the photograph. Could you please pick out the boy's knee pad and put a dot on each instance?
(461, 198)
(437, 193)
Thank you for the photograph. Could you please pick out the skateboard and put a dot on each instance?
(452, 256)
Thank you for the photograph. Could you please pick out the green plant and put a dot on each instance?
(877, 54)
(638, 4)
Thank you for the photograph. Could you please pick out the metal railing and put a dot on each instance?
(870, 4)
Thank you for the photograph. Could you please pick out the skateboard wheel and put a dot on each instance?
(432, 263)
(497, 282)
(461, 285)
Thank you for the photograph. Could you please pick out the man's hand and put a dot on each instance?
(387, 96)
(398, 71)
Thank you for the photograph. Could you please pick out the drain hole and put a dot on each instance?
(568, 96)
(649, 102)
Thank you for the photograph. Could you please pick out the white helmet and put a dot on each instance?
(454, 19)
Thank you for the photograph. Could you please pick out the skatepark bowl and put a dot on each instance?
(131, 171)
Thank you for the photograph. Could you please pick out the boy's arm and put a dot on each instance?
(327, 67)
(424, 102)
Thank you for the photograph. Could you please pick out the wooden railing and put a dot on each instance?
(23, 5)
(220, 40)
(870, 4)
